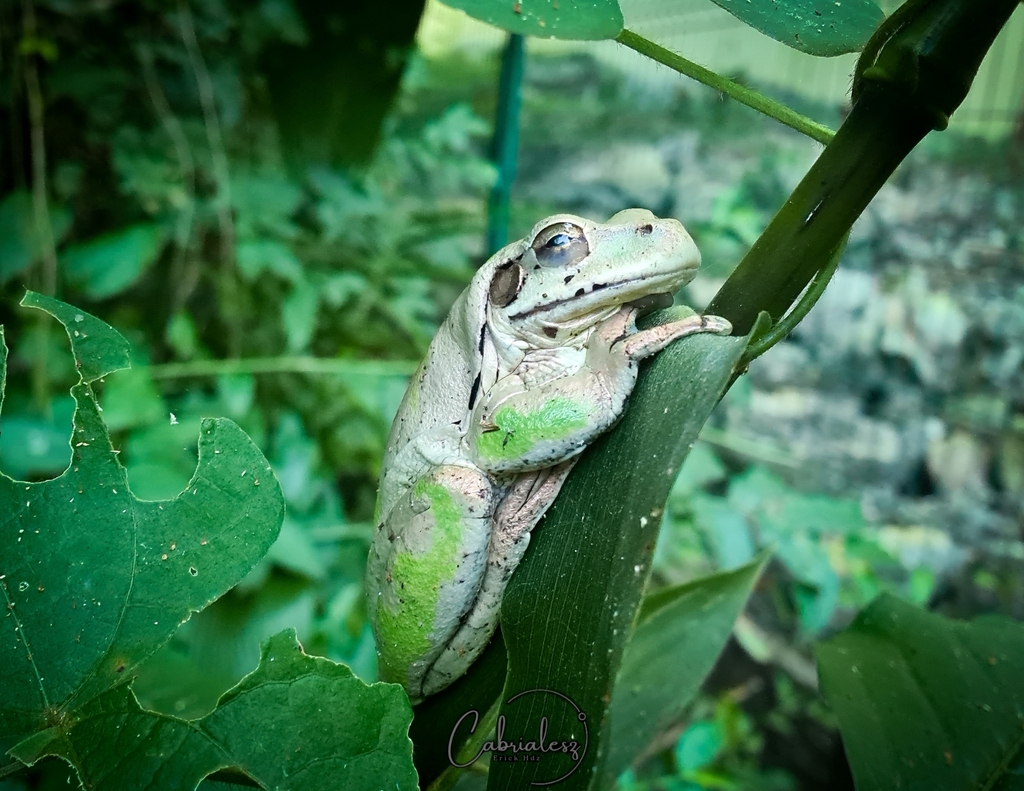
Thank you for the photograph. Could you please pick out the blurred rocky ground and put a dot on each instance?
(904, 386)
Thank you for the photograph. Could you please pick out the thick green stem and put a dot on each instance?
(917, 78)
(876, 137)
(730, 88)
(788, 323)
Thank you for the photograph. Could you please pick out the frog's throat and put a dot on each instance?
(509, 338)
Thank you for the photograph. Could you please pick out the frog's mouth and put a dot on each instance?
(588, 303)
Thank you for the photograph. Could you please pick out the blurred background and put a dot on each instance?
(277, 202)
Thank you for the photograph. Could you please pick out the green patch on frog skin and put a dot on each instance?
(518, 431)
(404, 634)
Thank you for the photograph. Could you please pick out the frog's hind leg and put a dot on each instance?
(434, 562)
(520, 510)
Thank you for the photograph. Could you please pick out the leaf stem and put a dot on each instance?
(221, 173)
(322, 366)
(11, 769)
(37, 111)
(741, 93)
(43, 229)
(810, 296)
(186, 164)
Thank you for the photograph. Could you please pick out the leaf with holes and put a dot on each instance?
(94, 580)
(317, 726)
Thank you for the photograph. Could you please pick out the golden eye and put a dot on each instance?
(561, 244)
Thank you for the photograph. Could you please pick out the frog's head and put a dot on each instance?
(571, 273)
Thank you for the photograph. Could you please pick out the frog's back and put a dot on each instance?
(436, 403)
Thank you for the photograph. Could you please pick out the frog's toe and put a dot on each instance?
(717, 325)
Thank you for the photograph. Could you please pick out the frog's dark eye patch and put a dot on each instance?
(507, 283)
(561, 244)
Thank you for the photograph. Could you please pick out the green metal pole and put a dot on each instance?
(506, 141)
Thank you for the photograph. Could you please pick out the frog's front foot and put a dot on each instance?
(651, 341)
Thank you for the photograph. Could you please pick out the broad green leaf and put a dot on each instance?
(818, 27)
(20, 242)
(296, 722)
(95, 580)
(572, 603)
(110, 263)
(593, 20)
(680, 633)
(925, 702)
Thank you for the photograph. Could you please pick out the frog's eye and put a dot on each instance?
(561, 244)
(507, 282)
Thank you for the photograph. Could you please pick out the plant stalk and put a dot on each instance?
(919, 75)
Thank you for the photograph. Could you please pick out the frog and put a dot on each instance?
(536, 359)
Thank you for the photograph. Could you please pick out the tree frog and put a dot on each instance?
(536, 359)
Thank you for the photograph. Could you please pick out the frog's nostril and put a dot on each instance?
(643, 230)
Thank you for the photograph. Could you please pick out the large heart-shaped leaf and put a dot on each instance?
(925, 702)
(593, 20)
(296, 722)
(94, 579)
(571, 605)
